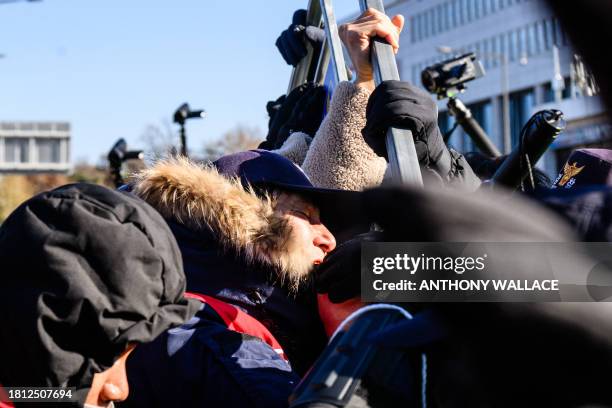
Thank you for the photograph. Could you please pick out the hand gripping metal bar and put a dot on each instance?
(402, 155)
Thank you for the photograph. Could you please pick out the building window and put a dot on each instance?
(463, 11)
(485, 56)
(522, 41)
(477, 11)
(448, 11)
(521, 105)
(483, 113)
(567, 89)
(560, 38)
(48, 150)
(422, 30)
(470, 10)
(503, 45)
(424, 26)
(495, 52)
(512, 45)
(442, 18)
(541, 33)
(433, 21)
(16, 150)
(549, 93)
(549, 34)
(419, 27)
(456, 10)
(532, 39)
(7, 126)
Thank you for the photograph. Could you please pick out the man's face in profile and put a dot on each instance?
(311, 240)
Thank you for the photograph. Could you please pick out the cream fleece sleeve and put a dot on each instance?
(295, 147)
(338, 156)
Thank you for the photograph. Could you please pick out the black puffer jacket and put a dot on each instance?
(86, 271)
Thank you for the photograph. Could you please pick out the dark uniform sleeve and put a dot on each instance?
(203, 364)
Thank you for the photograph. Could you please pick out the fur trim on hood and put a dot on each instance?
(200, 198)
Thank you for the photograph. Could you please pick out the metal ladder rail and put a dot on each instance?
(401, 151)
(333, 40)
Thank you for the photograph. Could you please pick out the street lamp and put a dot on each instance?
(180, 116)
(505, 88)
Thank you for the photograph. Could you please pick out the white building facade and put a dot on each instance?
(524, 33)
(34, 147)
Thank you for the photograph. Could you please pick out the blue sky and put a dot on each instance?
(111, 67)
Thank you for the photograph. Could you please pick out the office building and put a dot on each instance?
(34, 147)
(525, 53)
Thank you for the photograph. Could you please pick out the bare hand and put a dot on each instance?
(356, 37)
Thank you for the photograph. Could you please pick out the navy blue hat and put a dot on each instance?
(586, 167)
(271, 171)
(261, 168)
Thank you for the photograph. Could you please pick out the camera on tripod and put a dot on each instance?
(447, 78)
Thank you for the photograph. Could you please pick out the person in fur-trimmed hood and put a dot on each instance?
(250, 230)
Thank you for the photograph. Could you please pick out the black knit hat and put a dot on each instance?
(85, 271)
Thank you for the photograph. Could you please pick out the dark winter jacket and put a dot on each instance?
(86, 271)
(588, 209)
(234, 248)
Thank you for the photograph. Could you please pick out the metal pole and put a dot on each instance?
(403, 159)
(183, 141)
(505, 103)
(333, 40)
(464, 117)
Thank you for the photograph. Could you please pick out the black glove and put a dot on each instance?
(280, 112)
(340, 273)
(273, 107)
(306, 115)
(401, 105)
(291, 42)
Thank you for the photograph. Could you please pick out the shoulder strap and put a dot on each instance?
(239, 321)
